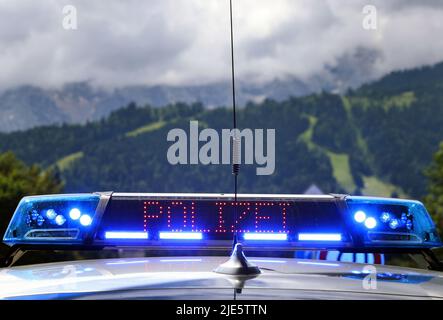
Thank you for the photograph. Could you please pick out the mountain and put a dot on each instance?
(26, 107)
(377, 140)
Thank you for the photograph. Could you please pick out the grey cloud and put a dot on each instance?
(187, 41)
(409, 4)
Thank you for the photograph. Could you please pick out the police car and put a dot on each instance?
(193, 233)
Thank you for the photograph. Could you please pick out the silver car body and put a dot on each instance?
(193, 278)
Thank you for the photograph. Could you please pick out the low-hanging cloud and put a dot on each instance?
(175, 42)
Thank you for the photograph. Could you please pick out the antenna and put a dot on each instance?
(235, 139)
(237, 265)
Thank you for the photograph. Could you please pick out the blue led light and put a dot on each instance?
(60, 220)
(51, 214)
(125, 235)
(370, 223)
(40, 221)
(385, 217)
(181, 235)
(85, 220)
(394, 224)
(34, 215)
(265, 236)
(75, 214)
(47, 219)
(319, 237)
(360, 216)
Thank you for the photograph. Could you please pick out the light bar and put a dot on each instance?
(265, 236)
(319, 237)
(209, 221)
(126, 235)
(181, 235)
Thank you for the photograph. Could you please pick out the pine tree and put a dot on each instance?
(18, 180)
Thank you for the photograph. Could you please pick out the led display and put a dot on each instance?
(218, 220)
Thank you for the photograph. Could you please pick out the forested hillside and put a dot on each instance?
(375, 140)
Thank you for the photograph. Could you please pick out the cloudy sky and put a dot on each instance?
(123, 42)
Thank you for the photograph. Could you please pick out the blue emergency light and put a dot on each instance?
(208, 220)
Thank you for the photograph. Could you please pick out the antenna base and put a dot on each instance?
(237, 264)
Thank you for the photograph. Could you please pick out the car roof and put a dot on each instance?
(193, 277)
